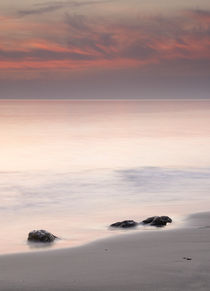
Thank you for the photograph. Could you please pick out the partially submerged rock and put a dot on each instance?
(187, 258)
(41, 236)
(124, 224)
(157, 220)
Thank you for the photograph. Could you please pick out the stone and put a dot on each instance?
(41, 236)
(124, 224)
(157, 220)
(187, 258)
(148, 220)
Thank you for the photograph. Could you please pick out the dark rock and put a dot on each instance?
(41, 236)
(157, 220)
(187, 258)
(124, 224)
(148, 220)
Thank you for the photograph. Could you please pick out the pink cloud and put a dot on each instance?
(80, 43)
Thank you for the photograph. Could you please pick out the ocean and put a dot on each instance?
(75, 167)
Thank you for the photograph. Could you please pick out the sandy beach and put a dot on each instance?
(149, 260)
(105, 145)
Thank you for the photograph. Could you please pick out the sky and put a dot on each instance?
(108, 49)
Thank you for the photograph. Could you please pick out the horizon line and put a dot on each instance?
(107, 99)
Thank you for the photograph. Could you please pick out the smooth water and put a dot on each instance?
(74, 167)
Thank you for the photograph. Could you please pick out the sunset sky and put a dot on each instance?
(105, 49)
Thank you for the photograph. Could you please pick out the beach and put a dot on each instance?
(105, 145)
(176, 259)
(75, 167)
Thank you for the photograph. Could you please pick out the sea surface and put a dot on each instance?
(74, 167)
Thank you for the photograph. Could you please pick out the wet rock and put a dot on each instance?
(41, 236)
(124, 224)
(157, 220)
(148, 220)
(187, 258)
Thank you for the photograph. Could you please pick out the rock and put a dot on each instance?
(41, 236)
(161, 221)
(157, 220)
(187, 258)
(124, 224)
(148, 220)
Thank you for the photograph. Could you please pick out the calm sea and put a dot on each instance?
(74, 167)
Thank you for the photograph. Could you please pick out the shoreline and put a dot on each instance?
(150, 260)
(186, 222)
(178, 223)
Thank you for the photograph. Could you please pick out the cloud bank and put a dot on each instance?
(40, 43)
(82, 41)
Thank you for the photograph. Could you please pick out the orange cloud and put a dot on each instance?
(79, 43)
